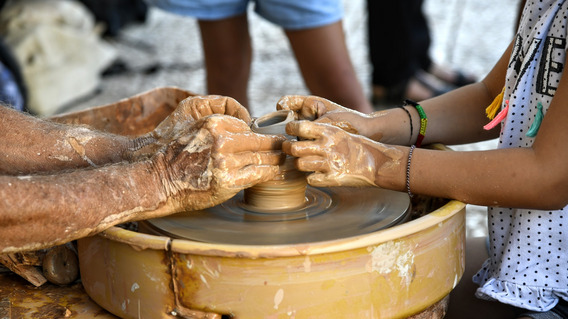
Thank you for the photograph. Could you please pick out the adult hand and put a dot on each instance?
(339, 158)
(201, 106)
(214, 160)
(182, 119)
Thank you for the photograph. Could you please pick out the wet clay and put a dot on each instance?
(287, 190)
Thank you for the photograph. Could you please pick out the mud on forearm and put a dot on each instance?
(31, 145)
(41, 211)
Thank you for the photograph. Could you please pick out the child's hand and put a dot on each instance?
(310, 107)
(338, 158)
(352, 122)
(324, 111)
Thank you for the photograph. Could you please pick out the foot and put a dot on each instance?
(421, 86)
(453, 77)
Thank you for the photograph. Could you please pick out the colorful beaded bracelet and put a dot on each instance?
(423, 121)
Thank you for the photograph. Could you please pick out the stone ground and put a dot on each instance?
(467, 34)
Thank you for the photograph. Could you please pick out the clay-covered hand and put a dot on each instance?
(308, 107)
(201, 106)
(214, 160)
(183, 118)
(322, 110)
(339, 158)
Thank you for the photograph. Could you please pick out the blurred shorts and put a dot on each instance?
(288, 14)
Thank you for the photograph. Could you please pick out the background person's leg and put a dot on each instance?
(326, 66)
(227, 50)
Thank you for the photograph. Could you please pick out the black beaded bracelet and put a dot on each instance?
(423, 121)
(410, 120)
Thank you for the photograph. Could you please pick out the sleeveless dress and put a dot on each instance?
(528, 249)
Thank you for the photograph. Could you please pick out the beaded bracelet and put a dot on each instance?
(408, 171)
(423, 121)
(410, 120)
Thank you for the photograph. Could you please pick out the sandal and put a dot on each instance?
(456, 78)
(560, 311)
(420, 87)
(389, 96)
(432, 83)
(461, 79)
(540, 315)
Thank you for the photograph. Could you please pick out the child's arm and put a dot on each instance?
(453, 118)
(458, 117)
(535, 177)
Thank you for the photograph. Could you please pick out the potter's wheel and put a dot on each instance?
(286, 210)
(329, 213)
(384, 274)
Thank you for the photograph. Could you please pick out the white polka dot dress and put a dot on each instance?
(528, 264)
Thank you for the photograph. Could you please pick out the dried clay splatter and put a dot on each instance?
(391, 256)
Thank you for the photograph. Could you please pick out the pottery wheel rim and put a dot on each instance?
(352, 212)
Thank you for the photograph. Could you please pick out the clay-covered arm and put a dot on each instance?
(534, 177)
(203, 168)
(32, 145)
(133, 116)
(39, 211)
(517, 177)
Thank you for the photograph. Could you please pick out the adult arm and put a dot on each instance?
(32, 145)
(210, 164)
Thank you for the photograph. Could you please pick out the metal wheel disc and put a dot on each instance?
(329, 213)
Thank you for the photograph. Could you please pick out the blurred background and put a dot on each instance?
(72, 55)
